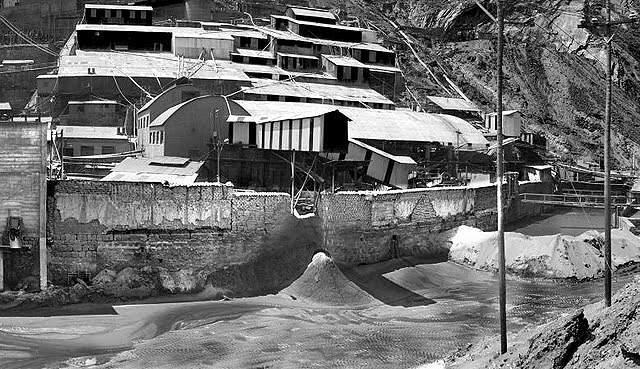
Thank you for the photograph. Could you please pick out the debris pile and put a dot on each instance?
(555, 256)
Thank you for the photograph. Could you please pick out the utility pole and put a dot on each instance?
(607, 167)
(500, 177)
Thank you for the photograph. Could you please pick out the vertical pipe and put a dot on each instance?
(607, 168)
(500, 177)
(293, 184)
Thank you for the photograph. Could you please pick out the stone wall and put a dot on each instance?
(367, 227)
(247, 242)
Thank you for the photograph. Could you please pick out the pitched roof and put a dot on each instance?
(406, 125)
(449, 103)
(345, 61)
(312, 12)
(177, 171)
(268, 111)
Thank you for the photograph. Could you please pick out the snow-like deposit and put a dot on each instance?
(556, 256)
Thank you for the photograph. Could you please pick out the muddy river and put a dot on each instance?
(424, 311)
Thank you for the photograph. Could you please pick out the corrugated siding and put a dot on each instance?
(21, 170)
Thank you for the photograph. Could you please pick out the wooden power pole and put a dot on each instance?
(500, 180)
(607, 166)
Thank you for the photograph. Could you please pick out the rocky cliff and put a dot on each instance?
(554, 70)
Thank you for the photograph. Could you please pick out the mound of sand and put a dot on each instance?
(323, 283)
(556, 256)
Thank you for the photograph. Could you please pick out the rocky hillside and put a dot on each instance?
(554, 70)
(591, 338)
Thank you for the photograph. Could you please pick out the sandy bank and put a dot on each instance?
(555, 256)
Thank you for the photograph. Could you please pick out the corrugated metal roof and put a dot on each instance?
(129, 64)
(323, 25)
(144, 170)
(241, 119)
(270, 111)
(404, 125)
(288, 35)
(316, 91)
(505, 113)
(17, 61)
(94, 102)
(121, 7)
(299, 56)
(313, 12)
(378, 124)
(254, 53)
(103, 133)
(345, 61)
(449, 103)
(396, 158)
(5, 106)
(165, 115)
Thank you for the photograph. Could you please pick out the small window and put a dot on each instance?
(161, 137)
(143, 15)
(108, 149)
(132, 14)
(81, 108)
(92, 13)
(118, 13)
(86, 150)
(67, 151)
(150, 137)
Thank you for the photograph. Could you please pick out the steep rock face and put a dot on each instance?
(554, 70)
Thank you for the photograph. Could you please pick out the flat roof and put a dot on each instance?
(5, 106)
(152, 65)
(121, 7)
(90, 132)
(451, 103)
(327, 92)
(155, 170)
(254, 53)
(126, 28)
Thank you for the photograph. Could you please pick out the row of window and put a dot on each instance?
(117, 13)
(156, 137)
(88, 150)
